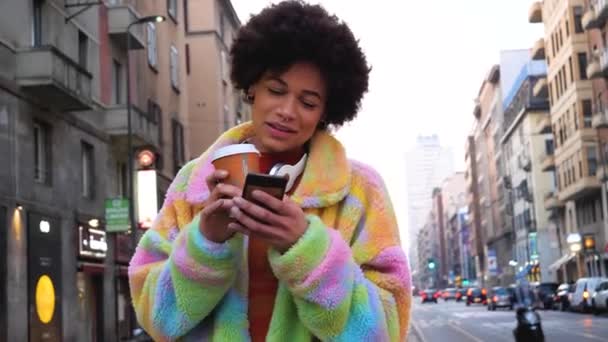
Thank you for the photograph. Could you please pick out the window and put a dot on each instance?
(152, 53)
(88, 170)
(592, 160)
(187, 59)
(567, 29)
(172, 9)
(553, 44)
(116, 82)
(571, 69)
(42, 153)
(174, 67)
(549, 148)
(578, 19)
(587, 113)
(575, 112)
(224, 66)
(582, 65)
(37, 23)
(156, 115)
(83, 47)
(179, 155)
(561, 38)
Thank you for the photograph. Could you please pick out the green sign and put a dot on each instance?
(117, 215)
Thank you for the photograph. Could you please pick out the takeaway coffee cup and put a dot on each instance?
(238, 160)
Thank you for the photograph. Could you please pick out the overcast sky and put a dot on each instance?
(429, 59)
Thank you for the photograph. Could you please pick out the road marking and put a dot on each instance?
(417, 331)
(587, 335)
(464, 332)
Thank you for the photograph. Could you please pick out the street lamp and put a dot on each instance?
(148, 19)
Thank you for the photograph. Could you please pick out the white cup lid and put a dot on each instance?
(234, 149)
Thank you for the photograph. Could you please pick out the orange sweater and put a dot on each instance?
(263, 284)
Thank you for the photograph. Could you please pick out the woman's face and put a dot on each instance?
(287, 107)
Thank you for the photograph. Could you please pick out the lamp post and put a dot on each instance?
(148, 19)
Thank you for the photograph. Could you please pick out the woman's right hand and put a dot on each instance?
(215, 215)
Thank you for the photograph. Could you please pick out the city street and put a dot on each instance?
(456, 322)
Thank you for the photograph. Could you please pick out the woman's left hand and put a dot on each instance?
(281, 225)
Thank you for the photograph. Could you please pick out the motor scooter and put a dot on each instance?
(529, 328)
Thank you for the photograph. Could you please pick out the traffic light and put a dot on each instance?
(431, 264)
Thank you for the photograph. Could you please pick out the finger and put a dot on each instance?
(234, 227)
(214, 177)
(269, 201)
(254, 226)
(257, 212)
(212, 207)
(223, 190)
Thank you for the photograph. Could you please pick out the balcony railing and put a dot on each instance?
(119, 18)
(601, 12)
(600, 117)
(144, 127)
(589, 19)
(541, 88)
(594, 68)
(548, 163)
(538, 50)
(581, 188)
(544, 125)
(54, 78)
(535, 14)
(524, 99)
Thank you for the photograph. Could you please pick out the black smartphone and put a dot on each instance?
(272, 185)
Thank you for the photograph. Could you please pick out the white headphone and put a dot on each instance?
(291, 171)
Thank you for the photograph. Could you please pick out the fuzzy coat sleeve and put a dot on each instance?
(177, 277)
(356, 292)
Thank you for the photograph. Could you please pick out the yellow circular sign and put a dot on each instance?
(45, 299)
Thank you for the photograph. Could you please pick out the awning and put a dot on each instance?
(564, 259)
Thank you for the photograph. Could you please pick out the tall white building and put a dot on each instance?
(428, 165)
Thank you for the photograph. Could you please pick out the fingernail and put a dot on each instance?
(223, 173)
(239, 200)
(234, 211)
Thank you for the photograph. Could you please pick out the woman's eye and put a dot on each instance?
(275, 91)
(309, 105)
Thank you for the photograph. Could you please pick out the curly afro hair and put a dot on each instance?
(293, 31)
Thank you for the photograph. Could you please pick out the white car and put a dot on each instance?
(583, 293)
(600, 298)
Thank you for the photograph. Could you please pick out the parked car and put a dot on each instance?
(599, 301)
(545, 294)
(429, 295)
(500, 298)
(448, 294)
(476, 295)
(583, 293)
(561, 299)
(461, 294)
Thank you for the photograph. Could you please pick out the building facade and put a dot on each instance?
(528, 151)
(63, 138)
(454, 199)
(428, 164)
(566, 48)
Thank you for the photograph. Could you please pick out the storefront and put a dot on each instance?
(92, 247)
(44, 277)
(125, 315)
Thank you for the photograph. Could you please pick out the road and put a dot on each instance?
(455, 322)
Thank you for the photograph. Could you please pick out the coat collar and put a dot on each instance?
(325, 181)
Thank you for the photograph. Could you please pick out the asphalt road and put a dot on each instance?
(455, 322)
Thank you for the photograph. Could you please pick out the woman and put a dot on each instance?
(325, 263)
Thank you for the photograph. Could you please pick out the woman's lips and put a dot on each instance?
(279, 131)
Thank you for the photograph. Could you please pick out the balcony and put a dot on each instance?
(144, 127)
(589, 19)
(548, 163)
(601, 173)
(601, 12)
(544, 125)
(551, 201)
(535, 14)
(600, 118)
(538, 50)
(119, 17)
(583, 187)
(540, 88)
(54, 78)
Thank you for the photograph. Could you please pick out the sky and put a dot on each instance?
(428, 61)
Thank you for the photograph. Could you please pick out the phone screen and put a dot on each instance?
(272, 185)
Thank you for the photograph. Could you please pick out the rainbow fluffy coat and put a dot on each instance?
(346, 279)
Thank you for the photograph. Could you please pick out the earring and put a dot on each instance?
(248, 97)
